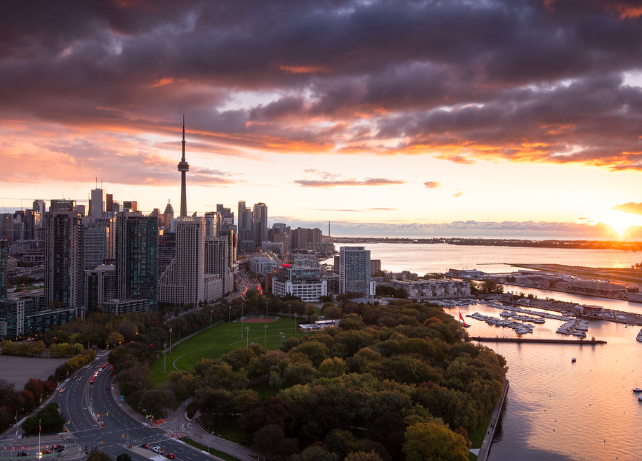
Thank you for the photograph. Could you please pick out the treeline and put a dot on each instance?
(379, 386)
(24, 348)
(141, 337)
(14, 404)
(49, 420)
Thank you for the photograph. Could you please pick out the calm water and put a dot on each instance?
(556, 410)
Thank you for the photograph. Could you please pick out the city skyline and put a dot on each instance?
(386, 118)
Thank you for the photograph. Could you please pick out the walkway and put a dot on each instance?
(492, 426)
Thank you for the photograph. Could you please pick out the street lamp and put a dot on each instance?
(265, 327)
(296, 316)
(282, 336)
(289, 312)
(211, 314)
(266, 309)
(229, 310)
(248, 336)
(170, 340)
(242, 315)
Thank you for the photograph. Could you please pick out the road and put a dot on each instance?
(96, 418)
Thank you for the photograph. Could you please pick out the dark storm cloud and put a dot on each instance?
(530, 81)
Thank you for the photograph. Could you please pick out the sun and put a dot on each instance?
(620, 222)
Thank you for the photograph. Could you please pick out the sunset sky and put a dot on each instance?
(483, 118)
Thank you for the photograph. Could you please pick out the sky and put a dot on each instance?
(508, 118)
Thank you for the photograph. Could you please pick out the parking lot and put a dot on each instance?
(18, 370)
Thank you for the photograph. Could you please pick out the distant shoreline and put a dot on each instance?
(559, 244)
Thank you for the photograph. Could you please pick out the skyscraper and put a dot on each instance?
(97, 203)
(245, 240)
(64, 256)
(168, 215)
(3, 268)
(354, 270)
(182, 281)
(183, 167)
(259, 224)
(98, 241)
(136, 258)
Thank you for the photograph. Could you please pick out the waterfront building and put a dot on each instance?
(136, 258)
(305, 260)
(301, 237)
(259, 224)
(300, 281)
(64, 257)
(333, 283)
(182, 280)
(432, 289)
(354, 270)
(375, 266)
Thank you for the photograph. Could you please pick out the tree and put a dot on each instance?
(430, 441)
(98, 456)
(363, 456)
(315, 453)
(123, 457)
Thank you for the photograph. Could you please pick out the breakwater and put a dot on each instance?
(537, 340)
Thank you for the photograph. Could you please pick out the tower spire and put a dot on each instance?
(183, 167)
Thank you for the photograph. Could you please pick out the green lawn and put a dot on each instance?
(214, 342)
(202, 447)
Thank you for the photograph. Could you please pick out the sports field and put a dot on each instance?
(214, 342)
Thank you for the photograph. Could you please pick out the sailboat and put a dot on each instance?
(463, 322)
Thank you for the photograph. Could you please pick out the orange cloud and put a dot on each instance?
(303, 70)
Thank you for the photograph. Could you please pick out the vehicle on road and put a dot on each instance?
(157, 449)
(169, 455)
(22, 453)
(145, 445)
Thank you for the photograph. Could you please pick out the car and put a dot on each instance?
(22, 453)
(45, 451)
(91, 382)
(62, 390)
(145, 445)
(169, 455)
(157, 449)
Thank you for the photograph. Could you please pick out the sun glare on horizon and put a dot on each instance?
(620, 221)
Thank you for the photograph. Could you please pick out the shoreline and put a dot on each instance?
(484, 451)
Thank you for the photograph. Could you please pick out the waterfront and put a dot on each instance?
(425, 258)
(555, 410)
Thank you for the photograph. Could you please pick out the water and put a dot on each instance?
(425, 258)
(555, 410)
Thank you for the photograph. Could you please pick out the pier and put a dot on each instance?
(537, 341)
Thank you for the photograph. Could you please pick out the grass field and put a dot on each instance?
(214, 342)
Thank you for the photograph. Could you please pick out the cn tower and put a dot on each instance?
(183, 167)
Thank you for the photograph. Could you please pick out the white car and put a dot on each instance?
(157, 449)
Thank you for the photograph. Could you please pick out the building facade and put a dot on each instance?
(137, 258)
(300, 281)
(64, 257)
(354, 270)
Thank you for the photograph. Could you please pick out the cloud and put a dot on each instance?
(458, 193)
(432, 185)
(357, 211)
(462, 81)
(631, 207)
(347, 182)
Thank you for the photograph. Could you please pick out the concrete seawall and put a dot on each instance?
(492, 426)
(537, 341)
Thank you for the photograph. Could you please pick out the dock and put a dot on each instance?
(586, 342)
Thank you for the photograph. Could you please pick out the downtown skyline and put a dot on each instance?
(387, 118)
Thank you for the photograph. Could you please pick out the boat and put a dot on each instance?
(573, 360)
(463, 322)
(639, 336)
(639, 399)
(637, 389)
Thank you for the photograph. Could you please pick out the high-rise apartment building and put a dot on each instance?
(259, 224)
(100, 286)
(4, 251)
(99, 241)
(136, 258)
(301, 237)
(64, 256)
(182, 281)
(354, 270)
(211, 224)
(109, 202)
(245, 240)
